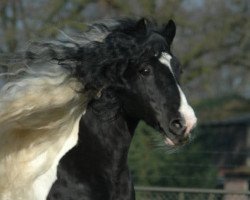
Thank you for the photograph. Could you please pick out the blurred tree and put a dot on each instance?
(152, 163)
(217, 35)
(23, 20)
(8, 17)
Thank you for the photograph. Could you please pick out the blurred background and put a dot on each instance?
(213, 45)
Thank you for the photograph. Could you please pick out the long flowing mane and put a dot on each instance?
(41, 104)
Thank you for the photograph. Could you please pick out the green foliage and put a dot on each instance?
(154, 165)
(22, 20)
(220, 108)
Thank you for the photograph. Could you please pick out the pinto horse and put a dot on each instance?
(96, 169)
(42, 102)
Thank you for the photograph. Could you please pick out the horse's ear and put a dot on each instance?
(169, 31)
(141, 25)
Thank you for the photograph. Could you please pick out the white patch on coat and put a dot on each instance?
(39, 118)
(165, 59)
(187, 112)
(43, 183)
(185, 109)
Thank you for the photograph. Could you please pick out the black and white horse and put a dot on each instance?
(42, 102)
(96, 169)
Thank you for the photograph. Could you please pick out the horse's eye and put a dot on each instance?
(145, 71)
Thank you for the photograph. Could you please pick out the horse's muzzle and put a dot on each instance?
(180, 129)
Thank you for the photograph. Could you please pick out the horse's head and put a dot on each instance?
(134, 60)
(148, 79)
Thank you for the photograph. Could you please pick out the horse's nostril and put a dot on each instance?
(177, 126)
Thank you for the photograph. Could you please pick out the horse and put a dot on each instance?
(96, 168)
(42, 101)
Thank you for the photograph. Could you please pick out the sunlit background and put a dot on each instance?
(213, 45)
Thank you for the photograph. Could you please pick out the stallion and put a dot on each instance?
(145, 87)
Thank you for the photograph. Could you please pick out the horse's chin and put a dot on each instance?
(169, 142)
(176, 142)
(170, 139)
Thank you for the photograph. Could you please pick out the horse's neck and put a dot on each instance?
(109, 108)
(105, 129)
(105, 109)
(97, 166)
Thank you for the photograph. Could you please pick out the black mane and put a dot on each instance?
(102, 54)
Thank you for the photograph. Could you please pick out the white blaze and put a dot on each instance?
(165, 59)
(187, 112)
(185, 109)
